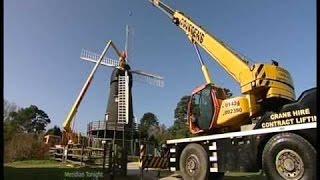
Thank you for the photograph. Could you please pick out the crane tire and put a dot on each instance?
(289, 156)
(194, 162)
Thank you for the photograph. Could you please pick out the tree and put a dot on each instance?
(180, 113)
(30, 120)
(158, 134)
(180, 127)
(54, 131)
(8, 107)
(148, 119)
(179, 130)
(9, 128)
(23, 146)
(23, 129)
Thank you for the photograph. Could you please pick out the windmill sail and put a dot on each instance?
(94, 57)
(138, 75)
(151, 79)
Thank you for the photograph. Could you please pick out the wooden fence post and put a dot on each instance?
(65, 153)
(82, 153)
(104, 154)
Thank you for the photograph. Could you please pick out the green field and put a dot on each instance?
(36, 164)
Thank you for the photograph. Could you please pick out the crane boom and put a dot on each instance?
(260, 81)
(211, 44)
(70, 118)
(222, 54)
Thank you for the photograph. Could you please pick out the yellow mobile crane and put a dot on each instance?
(261, 128)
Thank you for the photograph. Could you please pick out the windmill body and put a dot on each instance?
(113, 117)
(112, 110)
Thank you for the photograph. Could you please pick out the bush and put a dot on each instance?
(23, 146)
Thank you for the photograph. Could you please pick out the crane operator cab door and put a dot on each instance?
(203, 108)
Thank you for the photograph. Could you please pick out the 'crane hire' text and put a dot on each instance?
(290, 121)
(289, 114)
(291, 117)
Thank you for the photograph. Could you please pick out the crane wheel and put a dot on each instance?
(194, 162)
(289, 156)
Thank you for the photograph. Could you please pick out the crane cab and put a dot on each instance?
(210, 110)
(203, 107)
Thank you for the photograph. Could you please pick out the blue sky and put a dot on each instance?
(43, 41)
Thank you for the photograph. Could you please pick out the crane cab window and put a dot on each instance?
(202, 108)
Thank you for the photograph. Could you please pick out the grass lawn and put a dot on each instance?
(52, 170)
(35, 164)
(49, 170)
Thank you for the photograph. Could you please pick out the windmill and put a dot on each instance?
(119, 109)
(119, 113)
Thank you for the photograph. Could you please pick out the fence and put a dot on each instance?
(80, 155)
(160, 161)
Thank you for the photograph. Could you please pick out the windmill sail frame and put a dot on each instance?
(139, 75)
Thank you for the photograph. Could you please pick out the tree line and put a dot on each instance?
(151, 130)
(24, 129)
